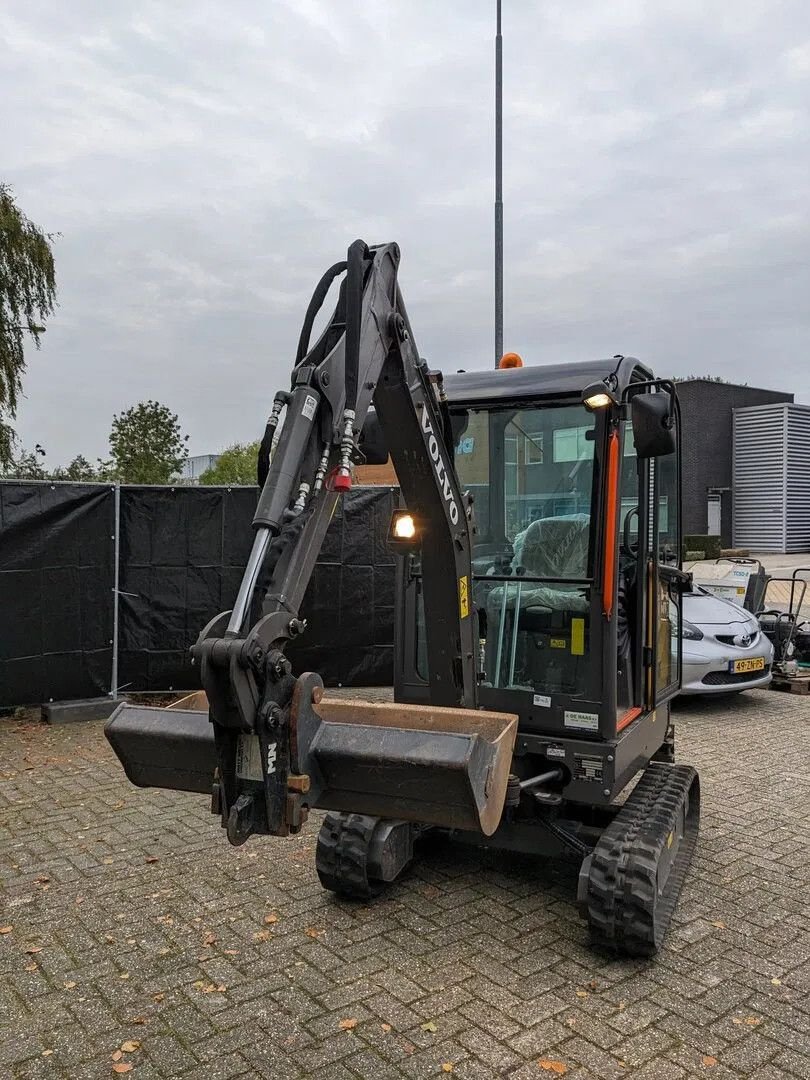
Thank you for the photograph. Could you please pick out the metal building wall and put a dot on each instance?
(797, 486)
(758, 478)
(707, 408)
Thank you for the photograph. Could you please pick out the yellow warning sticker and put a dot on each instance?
(557, 642)
(577, 637)
(463, 597)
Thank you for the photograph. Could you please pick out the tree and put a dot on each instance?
(236, 465)
(27, 298)
(147, 445)
(79, 469)
(27, 465)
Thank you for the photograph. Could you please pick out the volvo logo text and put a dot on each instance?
(440, 467)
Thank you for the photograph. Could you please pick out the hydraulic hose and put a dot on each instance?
(315, 305)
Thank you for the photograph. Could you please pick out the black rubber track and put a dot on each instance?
(341, 855)
(626, 912)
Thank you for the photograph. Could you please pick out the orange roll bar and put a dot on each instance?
(609, 547)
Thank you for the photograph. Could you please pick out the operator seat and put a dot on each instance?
(548, 548)
(554, 547)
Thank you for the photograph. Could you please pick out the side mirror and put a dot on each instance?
(653, 424)
(372, 441)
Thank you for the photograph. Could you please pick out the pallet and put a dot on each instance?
(791, 684)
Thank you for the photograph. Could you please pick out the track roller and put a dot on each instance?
(357, 855)
(630, 883)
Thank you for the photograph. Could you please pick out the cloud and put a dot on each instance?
(204, 162)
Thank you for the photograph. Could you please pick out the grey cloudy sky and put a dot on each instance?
(205, 161)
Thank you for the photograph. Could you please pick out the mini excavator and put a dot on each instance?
(537, 631)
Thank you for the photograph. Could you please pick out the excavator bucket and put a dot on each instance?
(440, 766)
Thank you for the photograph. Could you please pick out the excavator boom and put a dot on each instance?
(276, 746)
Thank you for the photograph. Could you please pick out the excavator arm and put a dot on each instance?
(275, 746)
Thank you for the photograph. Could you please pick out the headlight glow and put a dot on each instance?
(404, 527)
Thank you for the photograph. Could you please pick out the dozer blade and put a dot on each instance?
(438, 766)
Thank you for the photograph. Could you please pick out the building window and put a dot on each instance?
(534, 449)
(570, 444)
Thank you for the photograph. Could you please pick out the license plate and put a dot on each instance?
(756, 663)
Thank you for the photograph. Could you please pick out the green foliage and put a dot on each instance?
(236, 465)
(709, 545)
(706, 378)
(147, 445)
(79, 469)
(27, 297)
(27, 465)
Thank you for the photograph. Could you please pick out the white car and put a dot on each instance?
(724, 649)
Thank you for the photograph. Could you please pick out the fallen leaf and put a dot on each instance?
(582, 993)
(430, 891)
(6, 929)
(270, 919)
(31, 949)
(124, 975)
(261, 935)
(69, 985)
(553, 1066)
(231, 952)
(151, 859)
(117, 1055)
(447, 1066)
(32, 966)
(158, 997)
(130, 1046)
(776, 982)
(209, 939)
(138, 1020)
(43, 880)
(751, 1021)
(203, 959)
(386, 1028)
(429, 1026)
(348, 1025)
(708, 1060)
(719, 925)
(122, 1067)
(47, 1053)
(592, 985)
(622, 1006)
(311, 931)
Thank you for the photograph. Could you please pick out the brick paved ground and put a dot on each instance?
(131, 919)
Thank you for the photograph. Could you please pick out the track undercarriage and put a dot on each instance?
(631, 871)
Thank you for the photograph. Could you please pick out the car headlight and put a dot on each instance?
(691, 632)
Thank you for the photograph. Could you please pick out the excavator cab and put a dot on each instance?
(537, 626)
(575, 568)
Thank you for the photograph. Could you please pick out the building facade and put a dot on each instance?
(707, 426)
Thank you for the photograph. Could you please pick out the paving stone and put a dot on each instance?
(487, 946)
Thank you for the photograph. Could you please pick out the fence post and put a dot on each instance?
(116, 581)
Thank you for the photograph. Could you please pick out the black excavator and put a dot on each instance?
(537, 637)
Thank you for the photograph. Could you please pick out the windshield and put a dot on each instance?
(531, 473)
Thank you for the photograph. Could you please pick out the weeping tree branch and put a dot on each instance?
(27, 298)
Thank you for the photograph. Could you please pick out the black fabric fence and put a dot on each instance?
(181, 552)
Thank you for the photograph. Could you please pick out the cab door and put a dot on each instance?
(666, 577)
